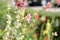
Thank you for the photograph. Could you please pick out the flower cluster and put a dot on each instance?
(8, 28)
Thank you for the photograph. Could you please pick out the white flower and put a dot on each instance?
(9, 8)
(9, 5)
(8, 16)
(24, 29)
(6, 38)
(20, 33)
(15, 12)
(22, 36)
(8, 22)
(18, 16)
(7, 33)
(55, 34)
(19, 24)
(23, 18)
(7, 25)
(10, 28)
(18, 20)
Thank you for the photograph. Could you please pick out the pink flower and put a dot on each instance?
(36, 16)
(23, 0)
(58, 1)
(28, 16)
(49, 5)
(23, 4)
(18, 3)
(43, 19)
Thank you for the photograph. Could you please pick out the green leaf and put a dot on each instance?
(1, 33)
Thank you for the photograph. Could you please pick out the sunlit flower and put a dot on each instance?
(48, 26)
(22, 36)
(7, 33)
(45, 32)
(9, 7)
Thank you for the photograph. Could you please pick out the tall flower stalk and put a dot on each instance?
(8, 28)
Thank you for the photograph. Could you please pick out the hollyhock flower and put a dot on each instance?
(35, 36)
(28, 16)
(36, 16)
(23, 0)
(49, 5)
(18, 3)
(44, 6)
(45, 38)
(23, 4)
(13, 3)
(58, 1)
(43, 19)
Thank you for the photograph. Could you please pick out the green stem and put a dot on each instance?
(41, 32)
(52, 24)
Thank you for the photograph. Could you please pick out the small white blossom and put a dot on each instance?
(22, 36)
(18, 20)
(8, 22)
(7, 33)
(9, 5)
(8, 16)
(24, 29)
(18, 16)
(10, 28)
(9, 8)
(15, 12)
(55, 34)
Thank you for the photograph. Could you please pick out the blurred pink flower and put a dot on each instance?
(49, 5)
(58, 1)
(23, 0)
(43, 19)
(36, 16)
(18, 3)
(23, 4)
(28, 16)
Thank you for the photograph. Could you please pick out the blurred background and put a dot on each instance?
(29, 19)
